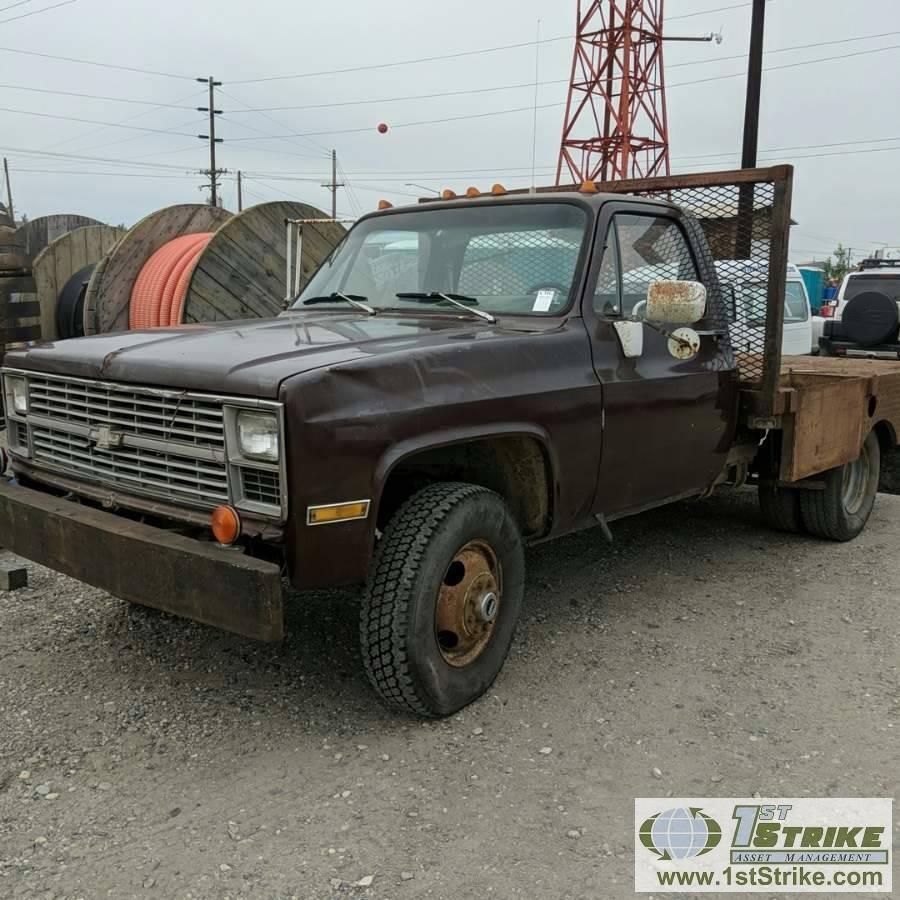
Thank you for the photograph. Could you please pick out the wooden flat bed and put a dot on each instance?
(827, 407)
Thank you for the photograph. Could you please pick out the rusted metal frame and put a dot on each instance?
(778, 259)
(679, 182)
(625, 117)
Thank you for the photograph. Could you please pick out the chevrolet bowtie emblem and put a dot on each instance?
(104, 438)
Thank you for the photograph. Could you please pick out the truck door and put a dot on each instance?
(668, 423)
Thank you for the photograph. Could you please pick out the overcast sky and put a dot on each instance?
(847, 195)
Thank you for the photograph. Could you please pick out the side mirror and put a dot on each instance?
(676, 302)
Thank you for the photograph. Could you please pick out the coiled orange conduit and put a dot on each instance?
(157, 298)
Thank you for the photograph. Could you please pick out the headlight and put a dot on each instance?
(257, 434)
(16, 394)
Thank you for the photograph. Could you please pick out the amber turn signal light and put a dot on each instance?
(337, 512)
(588, 187)
(447, 194)
(473, 192)
(385, 204)
(225, 524)
(498, 189)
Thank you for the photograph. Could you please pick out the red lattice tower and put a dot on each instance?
(616, 124)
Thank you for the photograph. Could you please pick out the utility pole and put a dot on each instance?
(240, 192)
(754, 85)
(213, 172)
(747, 193)
(334, 184)
(9, 202)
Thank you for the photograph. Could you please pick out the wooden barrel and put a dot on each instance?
(12, 253)
(20, 312)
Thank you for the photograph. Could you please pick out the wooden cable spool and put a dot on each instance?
(36, 234)
(234, 268)
(58, 263)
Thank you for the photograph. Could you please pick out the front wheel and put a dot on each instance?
(841, 510)
(443, 599)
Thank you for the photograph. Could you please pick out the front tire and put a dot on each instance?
(443, 599)
(841, 510)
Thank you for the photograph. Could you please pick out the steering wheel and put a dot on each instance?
(548, 286)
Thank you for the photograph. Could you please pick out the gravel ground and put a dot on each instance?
(143, 756)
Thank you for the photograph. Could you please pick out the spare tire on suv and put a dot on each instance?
(870, 318)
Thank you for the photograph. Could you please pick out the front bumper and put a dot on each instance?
(142, 564)
(834, 347)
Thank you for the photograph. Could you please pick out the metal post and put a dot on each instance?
(9, 202)
(754, 86)
(240, 197)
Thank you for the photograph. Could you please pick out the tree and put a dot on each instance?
(838, 266)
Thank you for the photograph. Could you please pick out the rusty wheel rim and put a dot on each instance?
(468, 603)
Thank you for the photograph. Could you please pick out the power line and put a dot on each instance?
(13, 5)
(457, 55)
(261, 110)
(404, 62)
(275, 121)
(743, 56)
(508, 111)
(68, 172)
(131, 118)
(91, 62)
(93, 159)
(35, 12)
(156, 103)
(706, 12)
(26, 112)
(530, 85)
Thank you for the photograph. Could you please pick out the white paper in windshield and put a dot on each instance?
(543, 301)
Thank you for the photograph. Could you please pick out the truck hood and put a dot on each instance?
(249, 358)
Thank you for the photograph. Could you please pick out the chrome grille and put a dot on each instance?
(261, 487)
(133, 468)
(162, 416)
(175, 446)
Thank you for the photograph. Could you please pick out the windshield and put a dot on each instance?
(517, 259)
(754, 302)
(796, 308)
(885, 284)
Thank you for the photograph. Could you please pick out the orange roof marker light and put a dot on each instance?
(225, 524)
(473, 192)
(588, 187)
(385, 204)
(498, 189)
(447, 194)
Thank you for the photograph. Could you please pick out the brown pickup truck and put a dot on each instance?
(461, 378)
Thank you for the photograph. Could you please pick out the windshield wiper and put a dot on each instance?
(459, 300)
(352, 299)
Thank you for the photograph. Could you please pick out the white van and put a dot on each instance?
(745, 290)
